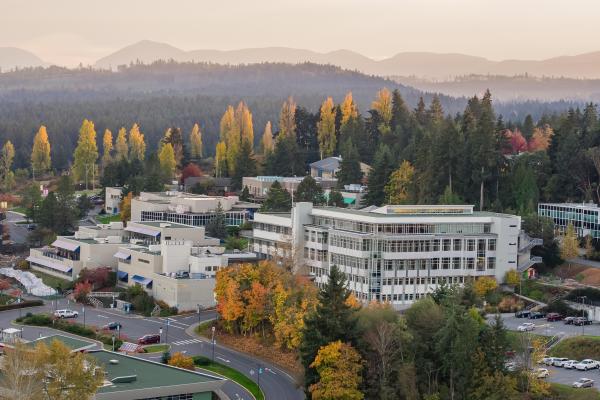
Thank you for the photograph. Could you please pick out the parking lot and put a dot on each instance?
(568, 376)
(543, 327)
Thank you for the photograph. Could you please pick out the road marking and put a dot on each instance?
(102, 316)
(224, 360)
(271, 371)
(163, 323)
(189, 341)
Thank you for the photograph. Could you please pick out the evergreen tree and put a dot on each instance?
(528, 127)
(278, 199)
(32, 201)
(217, 226)
(46, 217)
(350, 171)
(309, 190)
(449, 197)
(86, 153)
(378, 176)
(287, 159)
(66, 208)
(524, 189)
(334, 319)
(245, 195)
(336, 199)
(245, 164)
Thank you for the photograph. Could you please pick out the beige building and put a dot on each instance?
(259, 186)
(112, 199)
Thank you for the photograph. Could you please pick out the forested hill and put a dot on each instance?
(166, 94)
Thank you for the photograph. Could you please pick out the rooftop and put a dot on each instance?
(416, 210)
(148, 374)
(583, 206)
(329, 163)
(157, 224)
(72, 343)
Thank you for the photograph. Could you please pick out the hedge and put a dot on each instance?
(23, 304)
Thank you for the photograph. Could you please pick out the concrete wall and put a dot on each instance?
(112, 198)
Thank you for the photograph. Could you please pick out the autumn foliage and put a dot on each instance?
(339, 367)
(190, 170)
(82, 290)
(182, 361)
(264, 299)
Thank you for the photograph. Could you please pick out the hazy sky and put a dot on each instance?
(69, 32)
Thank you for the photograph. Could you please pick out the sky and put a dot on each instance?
(69, 32)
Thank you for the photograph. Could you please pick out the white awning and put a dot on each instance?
(49, 264)
(121, 255)
(63, 244)
(143, 231)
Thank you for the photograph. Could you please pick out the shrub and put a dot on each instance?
(23, 304)
(82, 290)
(201, 360)
(559, 306)
(509, 304)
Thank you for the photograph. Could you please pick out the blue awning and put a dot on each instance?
(121, 255)
(122, 275)
(141, 280)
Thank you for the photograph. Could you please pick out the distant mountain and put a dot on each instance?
(12, 57)
(418, 64)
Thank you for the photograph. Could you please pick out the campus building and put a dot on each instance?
(189, 209)
(112, 199)
(258, 186)
(330, 166)
(585, 217)
(393, 253)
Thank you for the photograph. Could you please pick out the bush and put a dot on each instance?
(23, 304)
(559, 306)
(202, 361)
(510, 304)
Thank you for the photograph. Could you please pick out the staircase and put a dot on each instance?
(529, 263)
(95, 302)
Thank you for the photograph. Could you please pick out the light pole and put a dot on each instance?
(160, 333)
(198, 314)
(260, 371)
(83, 312)
(113, 340)
(583, 298)
(118, 330)
(213, 343)
(167, 332)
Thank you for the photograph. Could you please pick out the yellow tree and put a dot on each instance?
(40, 153)
(348, 110)
(125, 207)
(180, 360)
(287, 118)
(137, 145)
(166, 157)
(16, 385)
(569, 246)
(229, 300)
(86, 153)
(383, 105)
(541, 138)
(7, 156)
(326, 128)
(107, 146)
(230, 134)
(121, 146)
(196, 142)
(512, 277)
(339, 367)
(243, 118)
(221, 159)
(267, 139)
(399, 187)
(485, 284)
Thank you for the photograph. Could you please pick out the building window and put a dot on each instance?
(492, 244)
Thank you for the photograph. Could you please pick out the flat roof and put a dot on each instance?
(157, 224)
(584, 206)
(148, 374)
(372, 213)
(72, 343)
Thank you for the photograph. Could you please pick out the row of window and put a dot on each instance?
(272, 228)
(231, 217)
(434, 280)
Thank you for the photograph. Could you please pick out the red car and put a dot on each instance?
(554, 317)
(149, 339)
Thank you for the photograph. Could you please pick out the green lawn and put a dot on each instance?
(233, 374)
(21, 210)
(6, 299)
(578, 348)
(53, 281)
(565, 392)
(156, 348)
(106, 218)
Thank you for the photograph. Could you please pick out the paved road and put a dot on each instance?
(275, 383)
(543, 327)
(568, 376)
(18, 233)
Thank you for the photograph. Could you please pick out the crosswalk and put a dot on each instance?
(184, 342)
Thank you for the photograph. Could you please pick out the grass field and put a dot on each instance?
(228, 372)
(578, 348)
(105, 219)
(52, 281)
(565, 392)
(156, 348)
(21, 210)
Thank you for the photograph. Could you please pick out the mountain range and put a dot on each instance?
(12, 57)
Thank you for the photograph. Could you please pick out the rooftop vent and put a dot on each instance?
(124, 379)
(113, 362)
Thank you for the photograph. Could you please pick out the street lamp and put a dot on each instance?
(83, 312)
(160, 333)
(213, 343)
(113, 340)
(119, 330)
(167, 332)
(198, 313)
(583, 315)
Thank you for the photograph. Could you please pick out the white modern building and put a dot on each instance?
(189, 209)
(585, 217)
(112, 199)
(393, 253)
(90, 247)
(258, 186)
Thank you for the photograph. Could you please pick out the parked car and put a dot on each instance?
(569, 320)
(583, 383)
(182, 275)
(66, 314)
(554, 317)
(149, 339)
(570, 364)
(579, 321)
(542, 373)
(527, 326)
(586, 364)
(111, 326)
(548, 360)
(536, 315)
(522, 314)
(31, 227)
(558, 361)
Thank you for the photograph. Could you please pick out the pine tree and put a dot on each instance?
(66, 207)
(217, 226)
(121, 146)
(335, 199)
(528, 127)
(421, 112)
(287, 159)
(350, 171)
(196, 142)
(378, 176)
(334, 319)
(245, 195)
(278, 199)
(267, 142)
(107, 147)
(309, 190)
(86, 153)
(40, 154)
(167, 161)
(245, 164)
(326, 128)
(287, 119)
(137, 145)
